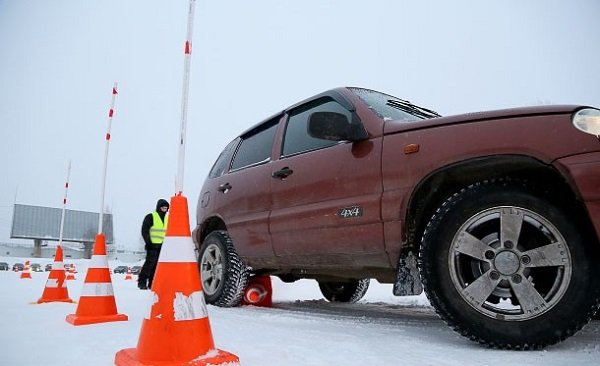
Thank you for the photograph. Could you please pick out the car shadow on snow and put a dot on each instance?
(424, 318)
(372, 312)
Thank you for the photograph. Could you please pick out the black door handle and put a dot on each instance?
(283, 173)
(224, 187)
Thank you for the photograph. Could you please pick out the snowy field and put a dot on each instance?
(301, 329)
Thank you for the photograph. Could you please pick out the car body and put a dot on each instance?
(496, 214)
(48, 267)
(4, 266)
(121, 269)
(135, 270)
(18, 267)
(36, 267)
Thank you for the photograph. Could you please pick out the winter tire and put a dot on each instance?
(350, 291)
(507, 267)
(223, 275)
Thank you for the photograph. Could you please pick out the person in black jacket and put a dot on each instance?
(153, 232)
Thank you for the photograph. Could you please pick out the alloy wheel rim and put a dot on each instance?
(211, 269)
(510, 263)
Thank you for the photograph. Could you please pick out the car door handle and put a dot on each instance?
(225, 187)
(283, 173)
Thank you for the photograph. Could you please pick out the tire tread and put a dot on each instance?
(425, 268)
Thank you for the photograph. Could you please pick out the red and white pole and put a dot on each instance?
(111, 111)
(62, 216)
(184, 98)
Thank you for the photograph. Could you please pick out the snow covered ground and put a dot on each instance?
(301, 329)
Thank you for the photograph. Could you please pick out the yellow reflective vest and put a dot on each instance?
(158, 229)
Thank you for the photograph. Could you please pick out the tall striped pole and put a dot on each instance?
(184, 98)
(97, 301)
(62, 216)
(110, 116)
(176, 330)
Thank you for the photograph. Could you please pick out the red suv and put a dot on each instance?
(495, 214)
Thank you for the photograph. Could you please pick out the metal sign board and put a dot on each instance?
(37, 222)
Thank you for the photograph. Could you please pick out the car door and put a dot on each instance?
(241, 196)
(326, 196)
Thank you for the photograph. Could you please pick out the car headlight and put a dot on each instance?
(588, 121)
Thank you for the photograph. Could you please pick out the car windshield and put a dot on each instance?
(388, 107)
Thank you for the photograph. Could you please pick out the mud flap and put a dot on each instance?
(408, 281)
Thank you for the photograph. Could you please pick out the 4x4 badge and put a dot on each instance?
(347, 212)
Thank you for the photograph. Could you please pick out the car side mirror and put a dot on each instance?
(335, 126)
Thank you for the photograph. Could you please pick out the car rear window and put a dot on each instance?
(222, 163)
(256, 146)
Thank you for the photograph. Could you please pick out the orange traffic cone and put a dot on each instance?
(258, 292)
(128, 275)
(176, 330)
(26, 273)
(70, 272)
(97, 301)
(56, 288)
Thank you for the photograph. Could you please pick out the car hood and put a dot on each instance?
(400, 126)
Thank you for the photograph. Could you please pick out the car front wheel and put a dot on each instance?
(507, 267)
(223, 274)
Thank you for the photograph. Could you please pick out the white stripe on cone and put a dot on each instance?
(152, 299)
(177, 249)
(52, 283)
(97, 289)
(191, 307)
(98, 261)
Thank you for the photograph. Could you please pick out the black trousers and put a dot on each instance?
(149, 268)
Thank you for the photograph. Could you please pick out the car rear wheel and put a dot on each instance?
(349, 291)
(223, 274)
(508, 268)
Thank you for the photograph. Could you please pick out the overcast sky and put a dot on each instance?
(59, 59)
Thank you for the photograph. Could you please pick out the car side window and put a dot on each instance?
(222, 163)
(297, 139)
(256, 146)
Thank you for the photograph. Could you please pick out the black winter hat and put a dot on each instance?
(161, 203)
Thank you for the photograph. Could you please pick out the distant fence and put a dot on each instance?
(27, 250)
(48, 251)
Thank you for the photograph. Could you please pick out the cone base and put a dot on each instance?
(41, 301)
(84, 320)
(129, 357)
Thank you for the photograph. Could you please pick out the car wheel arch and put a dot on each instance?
(441, 183)
(210, 224)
